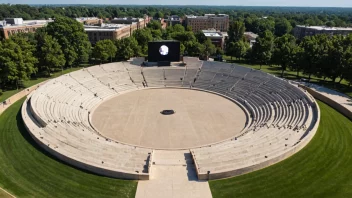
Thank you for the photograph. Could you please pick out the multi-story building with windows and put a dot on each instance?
(140, 22)
(111, 31)
(90, 20)
(301, 31)
(218, 22)
(216, 37)
(12, 26)
(173, 20)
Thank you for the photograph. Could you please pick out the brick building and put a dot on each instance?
(113, 31)
(218, 22)
(301, 31)
(216, 37)
(12, 26)
(90, 20)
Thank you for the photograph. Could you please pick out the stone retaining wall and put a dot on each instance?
(340, 108)
(18, 96)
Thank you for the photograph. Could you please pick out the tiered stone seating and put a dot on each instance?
(281, 118)
(57, 115)
(174, 76)
(154, 76)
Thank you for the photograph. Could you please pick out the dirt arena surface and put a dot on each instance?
(200, 118)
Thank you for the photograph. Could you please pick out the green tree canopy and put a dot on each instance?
(282, 27)
(236, 31)
(240, 48)
(284, 52)
(207, 48)
(262, 49)
(16, 60)
(143, 36)
(52, 55)
(104, 49)
(127, 48)
(72, 38)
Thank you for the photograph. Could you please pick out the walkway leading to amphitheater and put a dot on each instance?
(173, 175)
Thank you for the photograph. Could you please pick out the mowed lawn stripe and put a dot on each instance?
(28, 171)
(322, 169)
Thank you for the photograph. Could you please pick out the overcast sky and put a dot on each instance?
(311, 3)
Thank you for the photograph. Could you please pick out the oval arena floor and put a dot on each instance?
(228, 120)
(200, 118)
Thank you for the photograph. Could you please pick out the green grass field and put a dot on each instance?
(28, 171)
(322, 169)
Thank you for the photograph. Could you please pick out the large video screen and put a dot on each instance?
(164, 51)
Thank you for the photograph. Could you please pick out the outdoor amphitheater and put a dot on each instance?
(222, 120)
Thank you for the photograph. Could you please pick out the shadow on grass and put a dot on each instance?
(25, 134)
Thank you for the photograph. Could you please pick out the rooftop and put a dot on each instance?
(212, 33)
(25, 23)
(81, 19)
(251, 34)
(104, 27)
(207, 16)
(326, 28)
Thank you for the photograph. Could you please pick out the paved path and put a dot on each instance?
(174, 176)
(341, 98)
(5, 194)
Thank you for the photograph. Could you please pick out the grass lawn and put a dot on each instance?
(28, 171)
(322, 169)
(31, 82)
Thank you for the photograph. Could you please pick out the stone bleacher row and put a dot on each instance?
(57, 116)
(282, 118)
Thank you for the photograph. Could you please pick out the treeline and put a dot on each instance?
(252, 15)
(64, 43)
(321, 55)
(60, 44)
(137, 45)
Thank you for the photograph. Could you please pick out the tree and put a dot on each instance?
(27, 64)
(282, 27)
(260, 26)
(52, 55)
(236, 31)
(127, 48)
(230, 49)
(71, 37)
(207, 49)
(182, 49)
(143, 36)
(16, 62)
(201, 38)
(284, 51)
(262, 49)
(177, 28)
(158, 15)
(330, 24)
(347, 60)
(310, 59)
(104, 49)
(240, 48)
(154, 25)
(332, 55)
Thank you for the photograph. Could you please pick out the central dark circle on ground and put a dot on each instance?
(167, 112)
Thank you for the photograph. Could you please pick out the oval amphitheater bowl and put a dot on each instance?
(232, 120)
